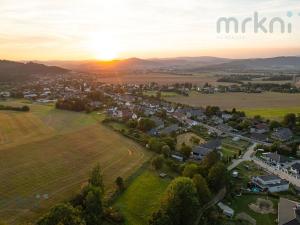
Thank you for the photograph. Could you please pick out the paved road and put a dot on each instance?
(246, 157)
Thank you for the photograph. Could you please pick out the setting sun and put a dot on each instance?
(104, 48)
(106, 54)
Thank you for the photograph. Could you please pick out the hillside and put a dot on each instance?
(291, 63)
(16, 71)
(185, 64)
(137, 64)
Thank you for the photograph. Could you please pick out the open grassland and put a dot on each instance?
(161, 78)
(268, 104)
(272, 113)
(142, 198)
(46, 155)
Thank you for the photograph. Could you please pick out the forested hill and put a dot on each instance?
(17, 71)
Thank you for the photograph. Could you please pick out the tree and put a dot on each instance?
(92, 205)
(211, 159)
(120, 183)
(156, 145)
(96, 178)
(158, 95)
(25, 108)
(157, 162)
(217, 176)
(186, 151)
(289, 120)
(145, 124)
(190, 170)
(166, 151)
(160, 218)
(274, 124)
(179, 204)
(203, 191)
(62, 214)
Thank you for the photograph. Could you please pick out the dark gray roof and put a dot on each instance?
(170, 129)
(296, 166)
(212, 144)
(269, 177)
(283, 134)
(201, 150)
(277, 157)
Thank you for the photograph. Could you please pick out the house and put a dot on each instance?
(282, 134)
(295, 168)
(259, 137)
(260, 128)
(217, 120)
(200, 151)
(226, 209)
(191, 123)
(288, 212)
(270, 183)
(170, 129)
(276, 159)
(226, 116)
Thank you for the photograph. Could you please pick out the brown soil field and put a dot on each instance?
(240, 100)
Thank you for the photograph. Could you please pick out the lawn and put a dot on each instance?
(241, 204)
(142, 198)
(247, 170)
(231, 148)
(229, 152)
(240, 144)
(272, 113)
(46, 156)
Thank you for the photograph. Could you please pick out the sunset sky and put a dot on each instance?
(105, 29)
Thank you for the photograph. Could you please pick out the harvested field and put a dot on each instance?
(46, 156)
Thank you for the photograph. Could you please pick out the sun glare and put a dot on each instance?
(106, 54)
(104, 48)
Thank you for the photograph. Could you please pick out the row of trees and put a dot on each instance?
(187, 194)
(24, 108)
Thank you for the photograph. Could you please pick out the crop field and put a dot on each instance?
(46, 155)
(142, 198)
(269, 104)
(161, 78)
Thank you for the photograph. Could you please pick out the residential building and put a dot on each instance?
(270, 183)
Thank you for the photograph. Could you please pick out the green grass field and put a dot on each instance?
(272, 113)
(241, 204)
(46, 155)
(141, 198)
